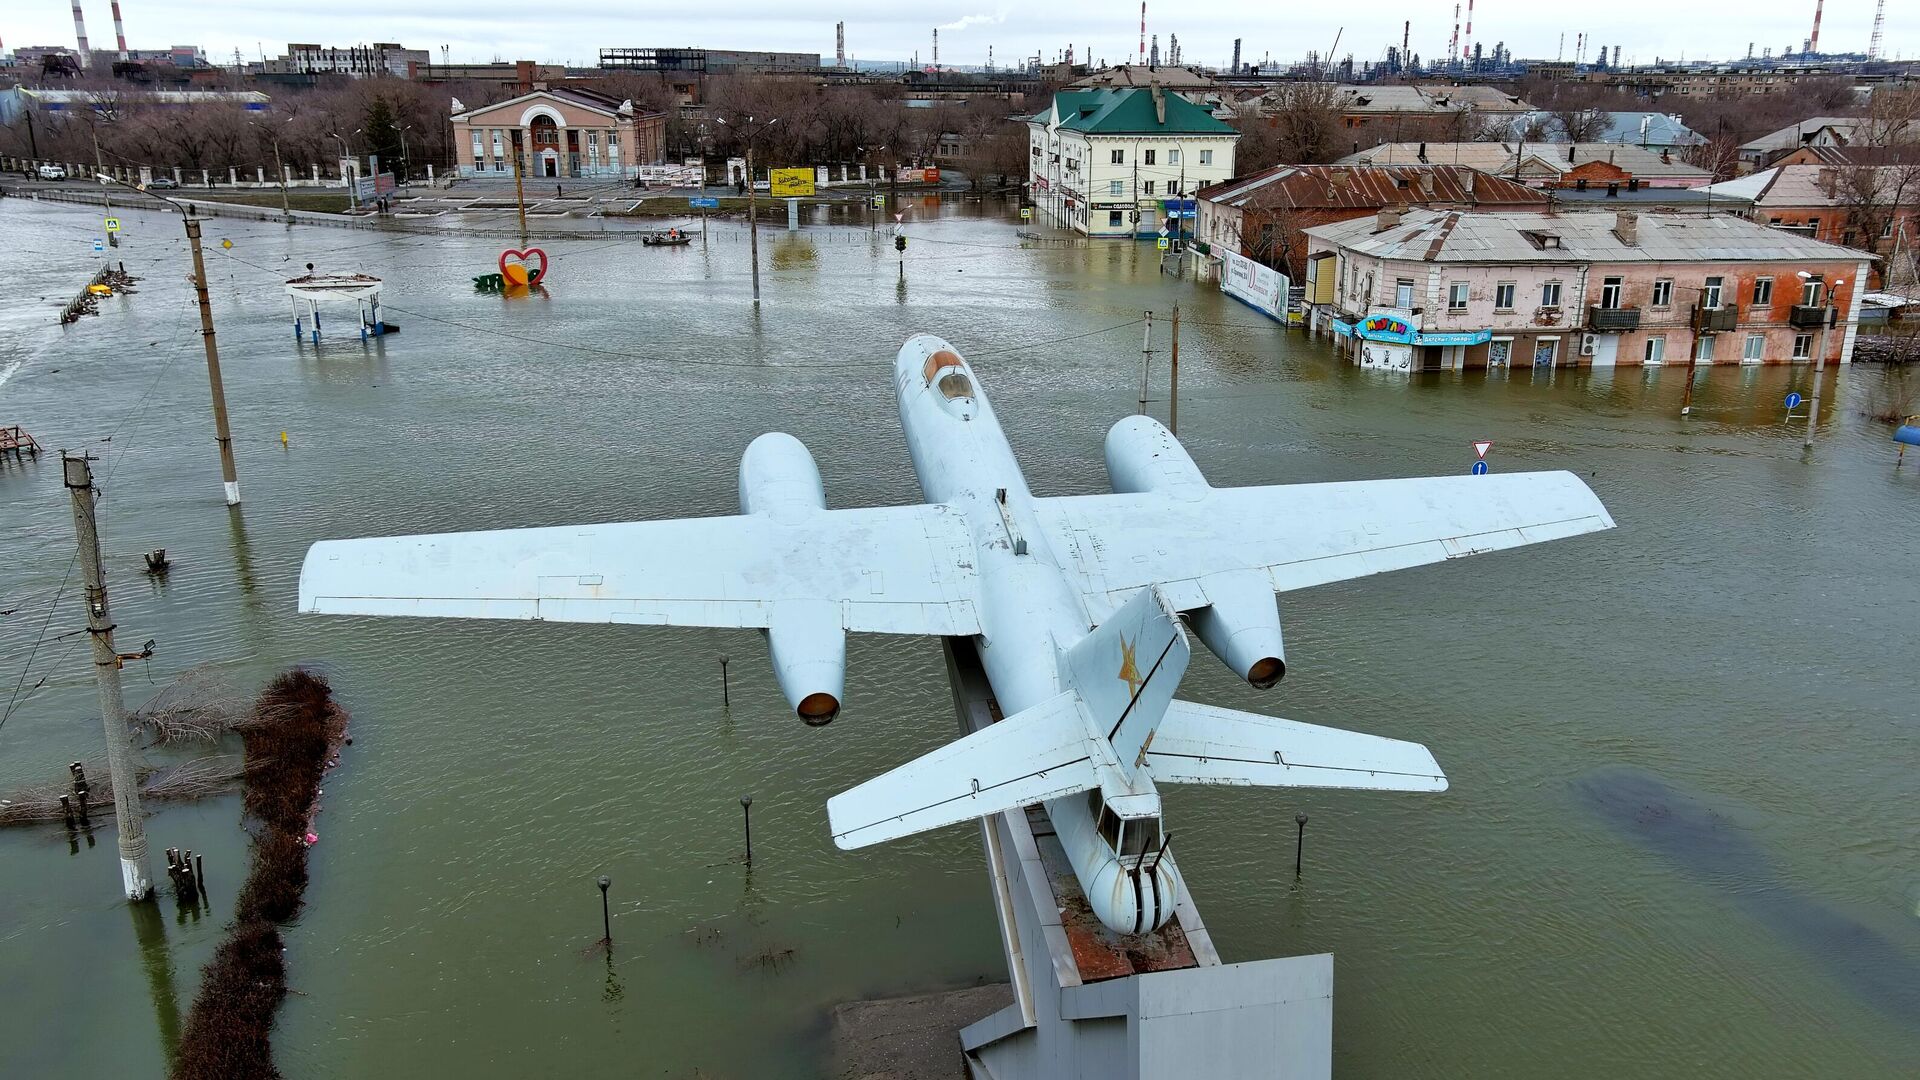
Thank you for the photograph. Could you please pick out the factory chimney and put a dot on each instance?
(1236, 56)
(119, 32)
(80, 31)
(1153, 58)
(1813, 43)
(839, 42)
(936, 50)
(1143, 30)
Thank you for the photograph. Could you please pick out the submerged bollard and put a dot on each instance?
(726, 698)
(606, 918)
(746, 821)
(1299, 840)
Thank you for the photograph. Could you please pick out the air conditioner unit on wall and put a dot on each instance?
(1587, 343)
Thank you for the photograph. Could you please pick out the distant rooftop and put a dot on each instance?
(1369, 187)
(1130, 112)
(1535, 159)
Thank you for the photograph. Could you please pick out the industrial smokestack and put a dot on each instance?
(1813, 43)
(936, 50)
(119, 32)
(80, 31)
(1236, 56)
(1143, 30)
(839, 41)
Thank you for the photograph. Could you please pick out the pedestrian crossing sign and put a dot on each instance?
(113, 224)
(1163, 243)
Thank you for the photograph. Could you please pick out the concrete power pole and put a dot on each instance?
(225, 437)
(128, 818)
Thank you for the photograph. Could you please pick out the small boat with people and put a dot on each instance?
(670, 238)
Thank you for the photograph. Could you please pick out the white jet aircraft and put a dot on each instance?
(1080, 608)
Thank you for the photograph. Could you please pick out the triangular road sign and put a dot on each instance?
(1481, 446)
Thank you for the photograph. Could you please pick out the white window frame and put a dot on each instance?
(1403, 292)
(1662, 292)
(1763, 292)
(1173, 156)
(1457, 296)
(1754, 349)
(1503, 295)
(1712, 291)
(1116, 187)
(1206, 157)
(1810, 292)
(1550, 294)
(1119, 157)
(1146, 187)
(1656, 350)
(1612, 291)
(1149, 158)
(1703, 348)
(1803, 346)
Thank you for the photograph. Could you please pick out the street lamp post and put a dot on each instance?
(273, 134)
(406, 156)
(752, 131)
(349, 174)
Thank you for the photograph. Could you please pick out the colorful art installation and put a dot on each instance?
(518, 270)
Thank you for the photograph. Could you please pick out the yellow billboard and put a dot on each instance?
(787, 183)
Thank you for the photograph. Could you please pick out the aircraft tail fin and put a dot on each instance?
(1127, 670)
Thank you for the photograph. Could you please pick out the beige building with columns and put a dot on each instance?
(558, 134)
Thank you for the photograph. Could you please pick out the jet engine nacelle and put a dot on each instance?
(1241, 626)
(809, 650)
(779, 479)
(1142, 455)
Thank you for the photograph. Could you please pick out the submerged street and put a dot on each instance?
(1740, 645)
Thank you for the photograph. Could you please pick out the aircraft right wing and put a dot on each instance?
(1043, 752)
(1299, 535)
(1204, 744)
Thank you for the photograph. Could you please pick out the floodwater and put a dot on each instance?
(1746, 637)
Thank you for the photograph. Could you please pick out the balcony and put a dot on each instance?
(1807, 318)
(1715, 320)
(1614, 318)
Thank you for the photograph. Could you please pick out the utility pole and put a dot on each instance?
(1173, 391)
(230, 477)
(1146, 360)
(1826, 328)
(129, 821)
(753, 223)
(106, 192)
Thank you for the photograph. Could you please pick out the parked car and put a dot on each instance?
(52, 172)
(162, 183)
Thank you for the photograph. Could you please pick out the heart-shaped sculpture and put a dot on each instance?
(523, 272)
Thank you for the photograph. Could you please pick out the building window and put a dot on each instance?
(1663, 292)
(1610, 293)
(1813, 227)
(1656, 349)
(1848, 238)
(1762, 292)
(1703, 349)
(1206, 157)
(1119, 157)
(1755, 348)
(496, 144)
(1147, 187)
(1116, 187)
(1810, 293)
(1802, 346)
(1503, 296)
(1550, 294)
(479, 148)
(1403, 293)
(1710, 294)
(1457, 296)
(1887, 229)
(1173, 157)
(1114, 219)
(1149, 160)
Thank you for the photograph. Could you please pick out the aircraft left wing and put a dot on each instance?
(890, 570)
(1299, 535)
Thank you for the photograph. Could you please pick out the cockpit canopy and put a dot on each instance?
(946, 373)
(1130, 837)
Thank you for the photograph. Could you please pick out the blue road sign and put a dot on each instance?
(704, 204)
(1479, 468)
(99, 244)
(1793, 402)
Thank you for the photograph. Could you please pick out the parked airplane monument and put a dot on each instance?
(1080, 608)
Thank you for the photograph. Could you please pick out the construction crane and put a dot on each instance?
(1879, 17)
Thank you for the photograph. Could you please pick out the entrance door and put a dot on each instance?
(550, 164)
(1544, 351)
(1606, 348)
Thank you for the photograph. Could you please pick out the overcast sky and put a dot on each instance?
(573, 30)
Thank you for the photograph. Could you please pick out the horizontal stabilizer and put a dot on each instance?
(1043, 752)
(1201, 744)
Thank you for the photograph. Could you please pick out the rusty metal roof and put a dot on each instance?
(1369, 187)
(1537, 159)
(1590, 236)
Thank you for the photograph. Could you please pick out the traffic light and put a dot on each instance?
(899, 243)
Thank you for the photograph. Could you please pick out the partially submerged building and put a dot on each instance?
(1581, 165)
(1431, 290)
(1124, 162)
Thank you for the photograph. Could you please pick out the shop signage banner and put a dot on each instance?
(1261, 287)
(790, 183)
